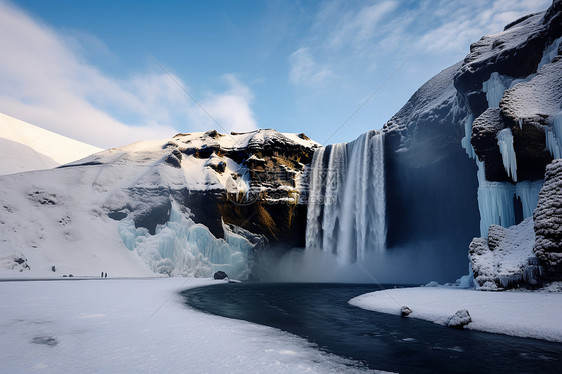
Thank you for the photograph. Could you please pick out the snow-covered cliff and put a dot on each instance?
(192, 204)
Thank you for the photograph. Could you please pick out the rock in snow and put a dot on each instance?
(405, 311)
(505, 259)
(220, 275)
(460, 319)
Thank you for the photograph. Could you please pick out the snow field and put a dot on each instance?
(139, 326)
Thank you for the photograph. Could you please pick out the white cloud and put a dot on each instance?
(231, 109)
(305, 70)
(47, 82)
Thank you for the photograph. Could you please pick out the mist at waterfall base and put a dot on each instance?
(411, 265)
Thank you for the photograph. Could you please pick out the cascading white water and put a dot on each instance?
(315, 200)
(349, 180)
(333, 198)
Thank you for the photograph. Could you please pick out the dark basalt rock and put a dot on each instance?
(272, 207)
(219, 275)
(174, 158)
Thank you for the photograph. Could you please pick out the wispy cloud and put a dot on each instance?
(47, 81)
(440, 25)
(457, 24)
(305, 70)
(358, 25)
(357, 45)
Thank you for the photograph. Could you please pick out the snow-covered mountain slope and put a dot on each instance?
(25, 147)
(133, 210)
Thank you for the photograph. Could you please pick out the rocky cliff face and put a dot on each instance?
(501, 105)
(261, 181)
(548, 223)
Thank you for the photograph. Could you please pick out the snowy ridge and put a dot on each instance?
(24, 147)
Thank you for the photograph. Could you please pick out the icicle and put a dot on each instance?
(495, 87)
(528, 192)
(465, 142)
(182, 247)
(549, 53)
(505, 142)
(553, 136)
(495, 202)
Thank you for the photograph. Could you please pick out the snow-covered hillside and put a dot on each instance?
(132, 211)
(25, 147)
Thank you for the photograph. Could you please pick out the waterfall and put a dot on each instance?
(347, 204)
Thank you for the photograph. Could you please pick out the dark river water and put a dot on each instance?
(321, 314)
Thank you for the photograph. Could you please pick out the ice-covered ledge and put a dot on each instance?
(525, 314)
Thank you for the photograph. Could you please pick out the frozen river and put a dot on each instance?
(321, 314)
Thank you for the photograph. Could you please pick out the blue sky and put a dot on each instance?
(88, 70)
